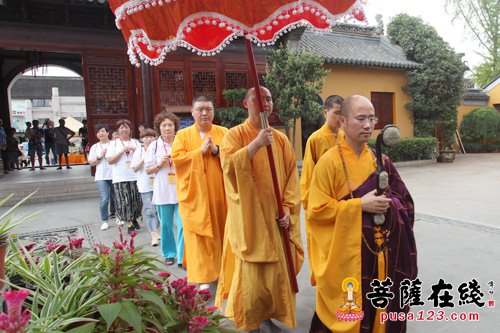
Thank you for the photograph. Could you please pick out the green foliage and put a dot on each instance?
(7, 219)
(234, 114)
(482, 19)
(101, 289)
(479, 147)
(410, 149)
(480, 123)
(436, 86)
(295, 79)
(485, 73)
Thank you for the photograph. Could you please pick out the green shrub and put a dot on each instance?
(480, 123)
(410, 149)
(234, 114)
(478, 147)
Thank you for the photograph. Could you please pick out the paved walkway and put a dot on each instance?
(457, 231)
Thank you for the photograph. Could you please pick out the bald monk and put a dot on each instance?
(317, 144)
(258, 287)
(200, 189)
(343, 246)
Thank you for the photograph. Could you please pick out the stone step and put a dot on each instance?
(50, 191)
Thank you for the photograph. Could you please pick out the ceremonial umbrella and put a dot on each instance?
(152, 28)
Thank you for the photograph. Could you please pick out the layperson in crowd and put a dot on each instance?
(3, 147)
(257, 285)
(84, 135)
(159, 165)
(49, 143)
(119, 155)
(103, 174)
(35, 144)
(317, 144)
(200, 189)
(12, 151)
(145, 184)
(345, 242)
(62, 135)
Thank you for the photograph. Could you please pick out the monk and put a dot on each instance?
(317, 144)
(341, 204)
(200, 190)
(258, 287)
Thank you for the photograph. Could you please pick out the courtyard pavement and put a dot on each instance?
(457, 231)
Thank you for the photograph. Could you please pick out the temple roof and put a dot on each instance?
(359, 46)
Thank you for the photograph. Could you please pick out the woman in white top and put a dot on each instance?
(119, 155)
(145, 184)
(103, 175)
(159, 163)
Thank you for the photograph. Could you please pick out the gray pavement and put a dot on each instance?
(457, 230)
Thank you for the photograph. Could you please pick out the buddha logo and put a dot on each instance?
(350, 310)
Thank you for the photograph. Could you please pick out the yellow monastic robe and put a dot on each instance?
(317, 144)
(202, 202)
(258, 286)
(335, 230)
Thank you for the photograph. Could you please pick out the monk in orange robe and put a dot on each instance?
(317, 144)
(200, 190)
(344, 242)
(254, 274)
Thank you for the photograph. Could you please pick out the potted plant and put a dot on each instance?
(7, 223)
(73, 288)
(445, 133)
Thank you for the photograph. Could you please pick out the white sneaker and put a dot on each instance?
(104, 226)
(118, 222)
(204, 286)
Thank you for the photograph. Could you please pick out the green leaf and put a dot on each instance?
(131, 315)
(109, 312)
(150, 296)
(87, 328)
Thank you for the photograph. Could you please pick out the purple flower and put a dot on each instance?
(164, 275)
(211, 308)
(15, 320)
(196, 324)
(30, 246)
(178, 284)
(205, 294)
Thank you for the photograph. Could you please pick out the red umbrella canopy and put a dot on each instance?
(152, 28)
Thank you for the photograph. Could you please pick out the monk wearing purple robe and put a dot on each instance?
(345, 244)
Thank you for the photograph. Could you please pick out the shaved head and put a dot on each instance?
(352, 101)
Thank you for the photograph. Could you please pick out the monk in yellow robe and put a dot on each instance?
(344, 242)
(258, 286)
(317, 144)
(200, 191)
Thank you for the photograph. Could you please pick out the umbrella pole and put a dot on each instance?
(277, 193)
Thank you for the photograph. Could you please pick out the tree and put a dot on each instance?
(234, 114)
(482, 19)
(295, 79)
(436, 86)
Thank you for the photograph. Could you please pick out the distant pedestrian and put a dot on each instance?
(3, 146)
(49, 143)
(62, 135)
(35, 144)
(12, 151)
(103, 174)
(84, 135)
(145, 184)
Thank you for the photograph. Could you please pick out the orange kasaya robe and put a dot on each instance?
(335, 230)
(202, 202)
(254, 274)
(317, 144)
